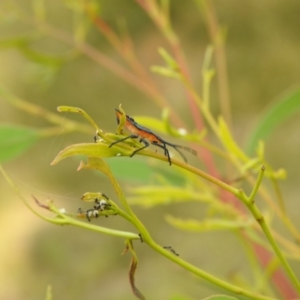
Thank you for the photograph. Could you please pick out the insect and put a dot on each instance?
(99, 206)
(171, 250)
(91, 213)
(145, 135)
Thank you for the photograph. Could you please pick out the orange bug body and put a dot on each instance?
(145, 135)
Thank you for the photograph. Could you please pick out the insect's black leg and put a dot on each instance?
(167, 154)
(88, 214)
(166, 151)
(133, 136)
(181, 154)
(171, 250)
(105, 196)
(139, 149)
(96, 137)
(97, 204)
(176, 147)
(141, 238)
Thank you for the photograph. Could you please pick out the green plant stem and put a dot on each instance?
(279, 195)
(282, 216)
(267, 275)
(160, 16)
(194, 170)
(101, 165)
(210, 278)
(100, 58)
(259, 286)
(36, 110)
(256, 186)
(119, 233)
(64, 219)
(274, 245)
(126, 51)
(16, 190)
(217, 38)
(98, 164)
(248, 201)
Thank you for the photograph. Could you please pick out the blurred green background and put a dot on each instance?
(263, 46)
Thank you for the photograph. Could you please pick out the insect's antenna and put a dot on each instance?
(194, 152)
(177, 147)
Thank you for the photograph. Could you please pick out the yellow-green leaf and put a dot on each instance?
(274, 117)
(153, 195)
(49, 293)
(122, 120)
(228, 141)
(207, 224)
(14, 140)
(220, 297)
(97, 163)
(87, 149)
(166, 72)
(169, 60)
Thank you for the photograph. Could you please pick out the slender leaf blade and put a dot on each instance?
(88, 149)
(15, 140)
(275, 116)
(207, 224)
(134, 169)
(140, 170)
(220, 297)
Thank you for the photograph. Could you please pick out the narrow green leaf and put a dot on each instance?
(96, 163)
(87, 149)
(229, 142)
(43, 58)
(139, 170)
(179, 297)
(126, 168)
(153, 195)
(15, 42)
(272, 118)
(169, 60)
(76, 6)
(49, 293)
(15, 140)
(220, 297)
(39, 10)
(77, 110)
(122, 120)
(208, 224)
(166, 72)
(23, 43)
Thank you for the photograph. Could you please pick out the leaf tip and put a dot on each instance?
(54, 162)
(81, 166)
